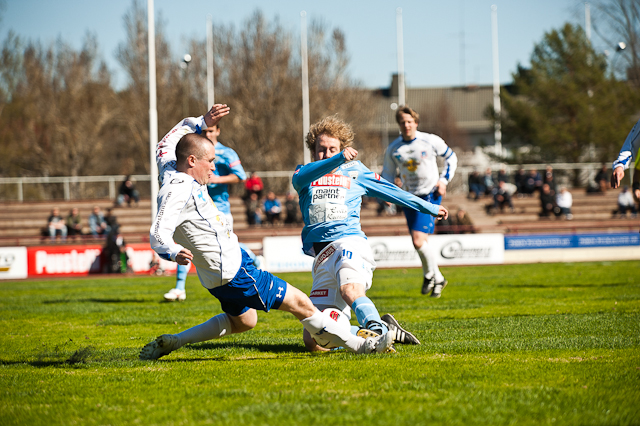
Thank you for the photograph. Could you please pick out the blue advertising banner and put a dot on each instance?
(526, 242)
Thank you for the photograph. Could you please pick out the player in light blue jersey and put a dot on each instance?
(228, 171)
(629, 154)
(330, 192)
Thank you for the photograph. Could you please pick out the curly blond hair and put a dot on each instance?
(333, 127)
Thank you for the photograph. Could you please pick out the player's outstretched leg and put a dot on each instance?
(297, 303)
(402, 335)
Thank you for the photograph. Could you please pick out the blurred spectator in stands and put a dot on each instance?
(253, 210)
(564, 200)
(602, 179)
(97, 224)
(74, 223)
(272, 208)
(550, 180)
(445, 226)
(626, 203)
(548, 202)
(462, 222)
(115, 252)
(56, 225)
(488, 182)
(128, 193)
(253, 185)
(520, 180)
(291, 207)
(112, 222)
(476, 186)
(533, 182)
(503, 176)
(502, 197)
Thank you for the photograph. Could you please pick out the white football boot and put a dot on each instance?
(160, 347)
(175, 294)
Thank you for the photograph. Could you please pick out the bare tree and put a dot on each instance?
(619, 21)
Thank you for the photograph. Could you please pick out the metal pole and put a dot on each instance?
(401, 89)
(210, 88)
(67, 195)
(306, 121)
(496, 81)
(587, 20)
(20, 193)
(153, 109)
(112, 188)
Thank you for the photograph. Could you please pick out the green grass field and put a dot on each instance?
(516, 344)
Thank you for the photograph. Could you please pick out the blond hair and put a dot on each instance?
(405, 109)
(333, 127)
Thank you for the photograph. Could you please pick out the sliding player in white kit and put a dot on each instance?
(189, 227)
(414, 153)
(331, 190)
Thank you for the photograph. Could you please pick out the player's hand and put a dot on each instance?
(616, 176)
(350, 154)
(442, 213)
(637, 194)
(184, 257)
(213, 116)
(441, 188)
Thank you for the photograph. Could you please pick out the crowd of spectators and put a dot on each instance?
(270, 210)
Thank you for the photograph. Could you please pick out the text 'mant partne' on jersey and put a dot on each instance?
(417, 162)
(330, 193)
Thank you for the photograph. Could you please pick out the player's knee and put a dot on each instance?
(244, 322)
(351, 291)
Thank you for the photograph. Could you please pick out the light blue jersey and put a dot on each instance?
(330, 194)
(227, 162)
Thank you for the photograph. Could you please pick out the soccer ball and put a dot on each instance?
(333, 314)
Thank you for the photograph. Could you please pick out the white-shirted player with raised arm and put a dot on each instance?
(629, 154)
(414, 154)
(189, 227)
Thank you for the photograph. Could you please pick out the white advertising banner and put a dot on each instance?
(13, 262)
(284, 254)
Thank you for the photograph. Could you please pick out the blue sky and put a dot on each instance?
(432, 30)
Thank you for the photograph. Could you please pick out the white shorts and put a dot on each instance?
(347, 260)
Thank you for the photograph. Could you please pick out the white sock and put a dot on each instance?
(429, 262)
(424, 258)
(317, 324)
(214, 328)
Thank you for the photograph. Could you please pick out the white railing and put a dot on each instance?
(461, 177)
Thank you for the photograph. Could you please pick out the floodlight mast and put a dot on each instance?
(210, 88)
(400, 44)
(306, 121)
(153, 109)
(497, 131)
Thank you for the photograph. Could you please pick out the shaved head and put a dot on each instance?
(191, 144)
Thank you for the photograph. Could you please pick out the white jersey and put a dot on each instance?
(416, 160)
(630, 149)
(188, 218)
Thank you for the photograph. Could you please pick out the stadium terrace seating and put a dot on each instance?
(22, 223)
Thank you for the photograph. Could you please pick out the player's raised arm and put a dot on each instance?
(625, 157)
(215, 114)
(306, 174)
(379, 187)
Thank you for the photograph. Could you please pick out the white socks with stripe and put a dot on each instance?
(214, 328)
(318, 324)
(429, 264)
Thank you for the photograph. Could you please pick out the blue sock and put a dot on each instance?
(354, 330)
(366, 312)
(181, 276)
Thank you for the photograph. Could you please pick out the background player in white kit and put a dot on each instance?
(331, 190)
(189, 227)
(414, 154)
